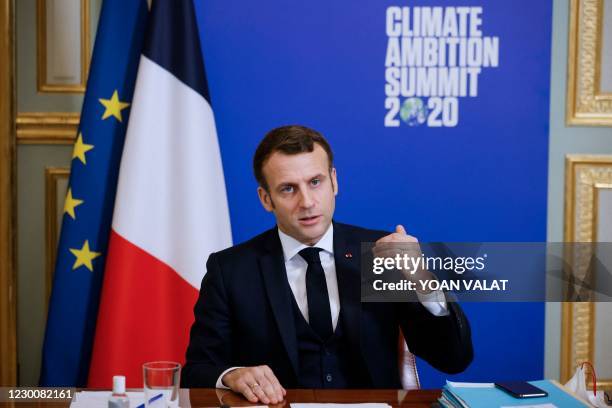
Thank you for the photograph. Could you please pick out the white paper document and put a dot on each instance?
(96, 399)
(363, 405)
(470, 384)
(531, 406)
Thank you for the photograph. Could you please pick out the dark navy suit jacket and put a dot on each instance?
(243, 317)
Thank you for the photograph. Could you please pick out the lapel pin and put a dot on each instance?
(348, 255)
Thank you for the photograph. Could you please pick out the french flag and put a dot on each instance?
(170, 209)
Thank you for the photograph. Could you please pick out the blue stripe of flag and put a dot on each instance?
(173, 42)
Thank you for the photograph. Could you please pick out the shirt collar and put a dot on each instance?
(292, 246)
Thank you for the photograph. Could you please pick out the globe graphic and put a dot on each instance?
(413, 112)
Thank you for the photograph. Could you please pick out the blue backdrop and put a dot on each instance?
(322, 64)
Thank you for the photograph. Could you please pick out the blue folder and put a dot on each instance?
(490, 397)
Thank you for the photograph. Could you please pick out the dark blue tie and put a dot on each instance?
(319, 312)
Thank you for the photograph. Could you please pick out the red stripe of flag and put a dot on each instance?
(148, 312)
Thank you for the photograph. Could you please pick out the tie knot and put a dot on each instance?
(311, 254)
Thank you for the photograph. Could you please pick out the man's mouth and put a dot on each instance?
(310, 220)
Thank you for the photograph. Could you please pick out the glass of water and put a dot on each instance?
(161, 383)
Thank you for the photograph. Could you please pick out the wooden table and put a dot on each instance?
(396, 398)
(201, 397)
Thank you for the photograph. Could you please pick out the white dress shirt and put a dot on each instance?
(296, 267)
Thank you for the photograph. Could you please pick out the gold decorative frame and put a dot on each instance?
(41, 50)
(8, 281)
(52, 176)
(47, 127)
(586, 105)
(584, 176)
(596, 190)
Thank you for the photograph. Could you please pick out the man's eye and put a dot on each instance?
(315, 182)
(287, 189)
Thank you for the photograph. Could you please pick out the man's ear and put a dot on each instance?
(265, 199)
(334, 179)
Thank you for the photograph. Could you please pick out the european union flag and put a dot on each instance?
(88, 208)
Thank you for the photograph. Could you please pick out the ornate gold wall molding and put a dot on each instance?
(586, 104)
(597, 188)
(8, 289)
(584, 175)
(52, 212)
(41, 50)
(47, 127)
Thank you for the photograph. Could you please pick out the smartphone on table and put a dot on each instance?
(521, 389)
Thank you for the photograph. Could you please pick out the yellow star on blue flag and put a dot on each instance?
(113, 107)
(84, 256)
(81, 148)
(70, 204)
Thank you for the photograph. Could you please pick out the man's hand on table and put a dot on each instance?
(257, 384)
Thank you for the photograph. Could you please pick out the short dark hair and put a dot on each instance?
(292, 139)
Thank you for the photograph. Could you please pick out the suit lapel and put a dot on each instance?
(272, 267)
(346, 255)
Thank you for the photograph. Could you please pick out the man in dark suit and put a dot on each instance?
(283, 309)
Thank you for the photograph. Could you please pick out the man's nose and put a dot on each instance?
(306, 200)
